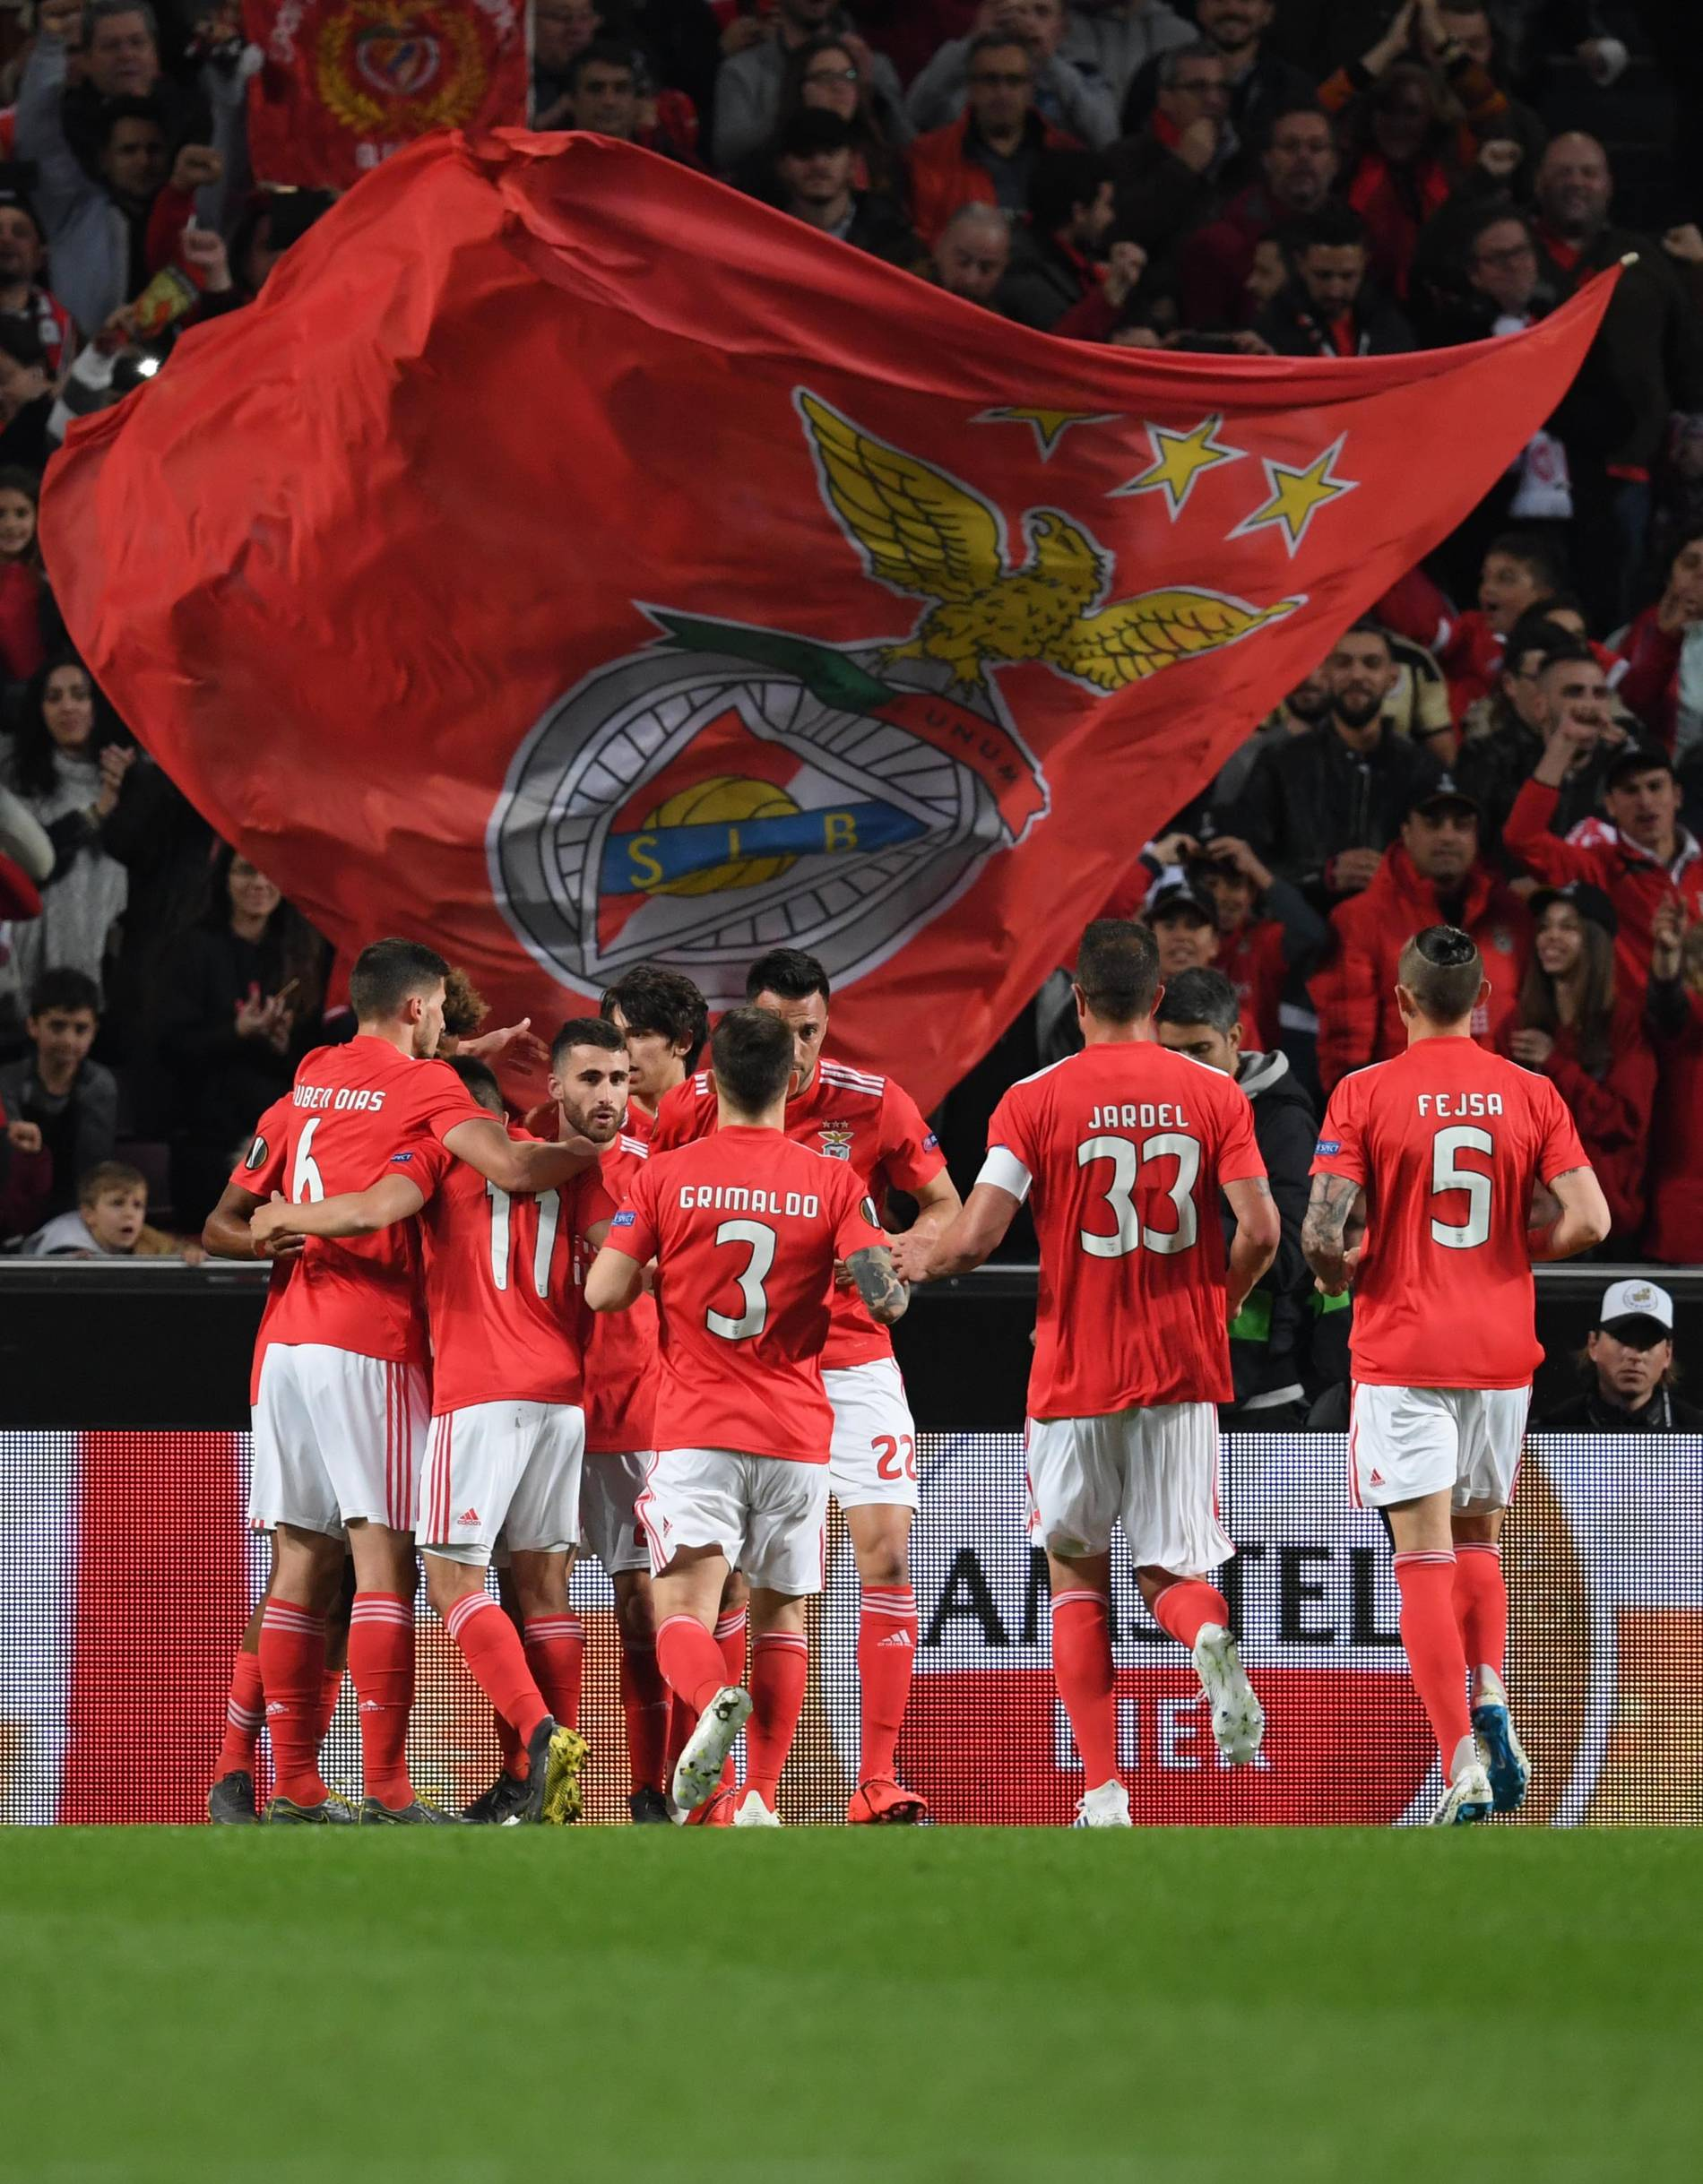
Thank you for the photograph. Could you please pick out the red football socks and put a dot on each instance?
(1480, 1604)
(644, 1702)
(245, 1717)
(780, 1667)
(491, 1647)
(1082, 1668)
(1184, 1608)
(510, 1746)
(730, 1635)
(691, 1661)
(329, 1693)
(1435, 1656)
(381, 1662)
(887, 1661)
(292, 1668)
(556, 1657)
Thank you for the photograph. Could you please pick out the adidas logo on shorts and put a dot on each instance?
(468, 1516)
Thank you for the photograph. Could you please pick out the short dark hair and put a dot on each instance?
(1545, 559)
(602, 53)
(1287, 110)
(789, 973)
(1173, 57)
(481, 1080)
(1369, 626)
(1118, 970)
(114, 110)
(1064, 177)
(1443, 970)
(1333, 226)
(586, 1031)
(64, 987)
(387, 973)
(751, 1054)
(1536, 633)
(109, 1176)
(1574, 653)
(996, 41)
(1201, 997)
(662, 1002)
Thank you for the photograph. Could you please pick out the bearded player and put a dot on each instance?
(341, 1404)
(507, 1431)
(866, 1121)
(1422, 1185)
(1122, 1150)
(746, 1229)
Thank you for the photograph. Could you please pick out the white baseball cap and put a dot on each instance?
(1635, 1300)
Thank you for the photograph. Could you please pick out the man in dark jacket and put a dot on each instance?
(1321, 808)
(1329, 308)
(1629, 1363)
(1200, 1016)
(815, 163)
(1053, 259)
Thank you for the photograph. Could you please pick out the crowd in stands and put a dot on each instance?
(1512, 740)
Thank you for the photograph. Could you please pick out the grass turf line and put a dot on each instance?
(947, 2007)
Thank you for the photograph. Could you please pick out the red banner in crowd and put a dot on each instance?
(574, 563)
(347, 82)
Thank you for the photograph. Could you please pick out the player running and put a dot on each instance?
(508, 1429)
(877, 1130)
(1123, 1150)
(746, 1230)
(340, 1400)
(1422, 1189)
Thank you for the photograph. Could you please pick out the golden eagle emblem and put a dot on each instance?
(923, 533)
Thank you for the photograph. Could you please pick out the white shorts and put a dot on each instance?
(767, 1516)
(338, 1440)
(512, 1468)
(873, 1455)
(609, 1488)
(1155, 1470)
(1404, 1443)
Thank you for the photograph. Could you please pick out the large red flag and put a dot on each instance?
(572, 563)
(347, 82)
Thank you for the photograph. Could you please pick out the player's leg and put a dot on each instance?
(1169, 1515)
(610, 1485)
(231, 1797)
(872, 1474)
(1492, 1434)
(1073, 1477)
(786, 1541)
(693, 1514)
(543, 1526)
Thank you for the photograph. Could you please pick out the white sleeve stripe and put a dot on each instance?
(1006, 1172)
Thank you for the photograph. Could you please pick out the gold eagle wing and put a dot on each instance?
(1135, 637)
(920, 532)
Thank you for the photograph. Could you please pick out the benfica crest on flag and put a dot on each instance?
(573, 562)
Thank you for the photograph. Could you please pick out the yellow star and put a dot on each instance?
(1050, 426)
(1297, 496)
(1178, 459)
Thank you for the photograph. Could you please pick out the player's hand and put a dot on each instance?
(196, 167)
(911, 1256)
(271, 1240)
(1531, 1048)
(24, 1137)
(529, 1051)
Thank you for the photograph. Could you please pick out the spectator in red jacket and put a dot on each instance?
(1656, 648)
(1521, 570)
(988, 155)
(1432, 875)
(1297, 167)
(1637, 859)
(21, 650)
(1570, 1026)
(1673, 1014)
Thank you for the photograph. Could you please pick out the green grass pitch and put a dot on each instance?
(971, 2006)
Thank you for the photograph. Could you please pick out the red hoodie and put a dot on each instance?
(1676, 1144)
(1633, 882)
(1612, 1112)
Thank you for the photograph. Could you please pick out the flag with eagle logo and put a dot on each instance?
(572, 564)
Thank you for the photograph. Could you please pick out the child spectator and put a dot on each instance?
(1266, 931)
(1522, 569)
(110, 1222)
(20, 586)
(71, 1100)
(68, 765)
(1569, 1025)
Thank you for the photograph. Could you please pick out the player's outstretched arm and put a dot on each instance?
(390, 1199)
(1583, 1219)
(938, 1205)
(975, 1235)
(614, 1281)
(1332, 1233)
(883, 1293)
(518, 1167)
(226, 1233)
(1259, 1229)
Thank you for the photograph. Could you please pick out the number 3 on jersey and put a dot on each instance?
(1119, 1193)
(761, 1240)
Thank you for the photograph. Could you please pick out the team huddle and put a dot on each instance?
(651, 1327)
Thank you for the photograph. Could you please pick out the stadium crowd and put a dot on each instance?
(1511, 743)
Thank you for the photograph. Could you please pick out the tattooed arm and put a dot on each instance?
(884, 1294)
(1584, 1219)
(1333, 1233)
(1254, 1246)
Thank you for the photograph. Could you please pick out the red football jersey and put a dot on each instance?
(621, 1347)
(1121, 1150)
(637, 1124)
(502, 1276)
(745, 1228)
(261, 1173)
(352, 1110)
(1447, 1141)
(847, 1115)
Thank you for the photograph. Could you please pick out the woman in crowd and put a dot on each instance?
(826, 74)
(242, 998)
(67, 765)
(22, 650)
(1595, 1051)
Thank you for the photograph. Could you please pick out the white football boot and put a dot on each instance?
(1469, 1797)
(1238, 1718)
(1106, 1806)
(755, 1813)
(697, 1774)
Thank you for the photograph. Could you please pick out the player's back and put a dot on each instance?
(1121, 1150)
(354, 1110)
(1447, 1141)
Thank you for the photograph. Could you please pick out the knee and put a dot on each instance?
(635, 1612)
(883, 1555)
(448, 1582)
